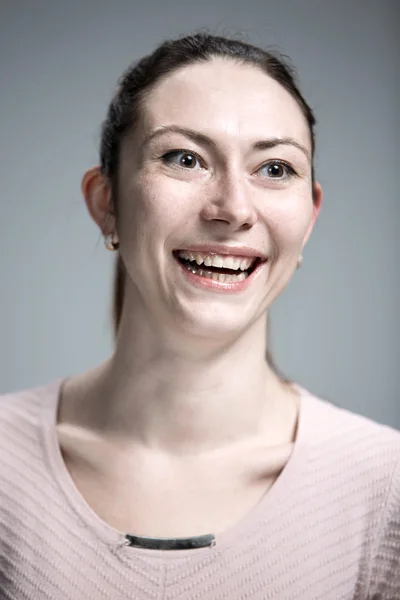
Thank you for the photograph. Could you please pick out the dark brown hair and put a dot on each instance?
(136, 83)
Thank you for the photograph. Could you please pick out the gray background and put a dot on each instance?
(335, 329)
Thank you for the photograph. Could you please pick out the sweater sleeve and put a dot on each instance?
(385, 571)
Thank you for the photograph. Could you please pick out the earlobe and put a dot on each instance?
(96, 190)
(317, 198)
(317, 203)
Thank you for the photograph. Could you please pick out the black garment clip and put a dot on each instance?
(189, 543)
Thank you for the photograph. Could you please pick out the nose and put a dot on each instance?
(231, 200)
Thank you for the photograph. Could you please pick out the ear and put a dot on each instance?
(317, 203)
(96, 189)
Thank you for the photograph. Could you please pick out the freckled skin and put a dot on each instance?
(189, 367)
(235, 106)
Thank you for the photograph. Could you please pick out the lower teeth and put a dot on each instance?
(222, 277)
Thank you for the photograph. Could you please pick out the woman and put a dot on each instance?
(185, 466)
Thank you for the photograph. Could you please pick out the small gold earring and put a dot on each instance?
(109, 242)
(299, 262)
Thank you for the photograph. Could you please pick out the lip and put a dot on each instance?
(218, 286)
(223, 249)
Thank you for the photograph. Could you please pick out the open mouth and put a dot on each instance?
(193, 266)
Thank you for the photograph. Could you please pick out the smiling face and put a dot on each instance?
(204, 165)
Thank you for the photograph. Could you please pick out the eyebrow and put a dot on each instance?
(204, 140)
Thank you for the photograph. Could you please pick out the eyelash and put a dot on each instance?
(289, 168)
(275, 161)
(181, 151)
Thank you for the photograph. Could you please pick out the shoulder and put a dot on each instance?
(353, 456)
(349, 434)
(353, 474)
(25, 475)
(385, 559)
(22, 418)
(23, 407)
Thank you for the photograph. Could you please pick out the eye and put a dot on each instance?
(276, 169)
(183, 158)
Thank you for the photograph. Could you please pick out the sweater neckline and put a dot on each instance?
(116, 540)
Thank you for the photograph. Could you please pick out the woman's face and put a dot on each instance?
(204, 166)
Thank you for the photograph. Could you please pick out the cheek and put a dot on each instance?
(162, 207)
(154, 205)
(288, 220)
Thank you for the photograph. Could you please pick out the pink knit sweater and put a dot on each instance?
(328, 529)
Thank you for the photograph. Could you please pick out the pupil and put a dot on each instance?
(188, 160)
(275, 170)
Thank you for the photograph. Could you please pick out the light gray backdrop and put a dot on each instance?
(335, 329)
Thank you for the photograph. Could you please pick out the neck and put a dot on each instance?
(168, 394)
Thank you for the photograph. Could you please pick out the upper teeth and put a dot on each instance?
(226, 262)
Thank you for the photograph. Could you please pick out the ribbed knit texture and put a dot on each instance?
(328, 529)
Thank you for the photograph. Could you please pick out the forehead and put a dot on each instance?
(226, 99)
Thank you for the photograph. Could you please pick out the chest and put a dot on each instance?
(157, 497)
